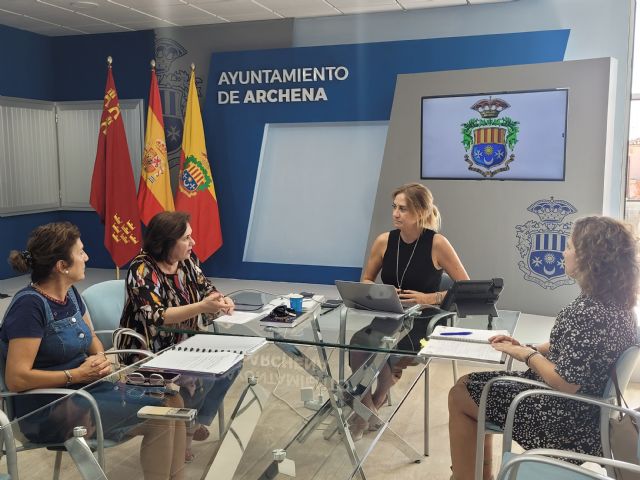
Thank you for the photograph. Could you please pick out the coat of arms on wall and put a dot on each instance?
(541, 243)
(174, 86)
(489, 141)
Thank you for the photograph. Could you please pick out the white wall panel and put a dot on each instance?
(28, 163)
(315, 192)
(78, 124)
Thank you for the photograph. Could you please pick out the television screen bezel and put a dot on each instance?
(501, 179)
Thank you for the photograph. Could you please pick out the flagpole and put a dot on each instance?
(117, 272)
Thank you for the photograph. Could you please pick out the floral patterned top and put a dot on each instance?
(150, 292)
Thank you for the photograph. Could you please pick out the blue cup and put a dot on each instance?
(295, 301)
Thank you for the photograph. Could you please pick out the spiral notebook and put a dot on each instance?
(222, 343)
(208, 354)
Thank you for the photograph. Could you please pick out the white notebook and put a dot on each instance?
(212, 354)
(215, 363)
(473, 346)
(221, 343)
(458, 334)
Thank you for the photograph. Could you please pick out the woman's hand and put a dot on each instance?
(504, 338)
(214, 303)
(93, 368)
(417, 297)
(230, 306)
(518, 352)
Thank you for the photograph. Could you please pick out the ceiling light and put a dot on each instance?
(83, 5)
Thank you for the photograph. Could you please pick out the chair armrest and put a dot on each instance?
(118, 332)
(482, 406)
(596, 401)
(68, 392)
(550, 452)
(436, 318)
(136, 351)
(505, 470)
(9, 442)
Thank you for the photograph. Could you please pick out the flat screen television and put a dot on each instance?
(495, 136)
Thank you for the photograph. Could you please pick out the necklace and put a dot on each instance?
(49, 297)
(400, 280)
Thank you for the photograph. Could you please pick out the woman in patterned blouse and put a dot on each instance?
(586, 340)
(165, 286)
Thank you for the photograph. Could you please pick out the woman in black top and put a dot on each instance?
(412, 258)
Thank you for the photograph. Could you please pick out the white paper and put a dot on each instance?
(214, 363)
(222, 343)
(461, 351)
(477, 335)
(239, 317)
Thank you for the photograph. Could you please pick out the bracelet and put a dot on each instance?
(103, 354)
(69, 377)
(438, 298)
(528, 358)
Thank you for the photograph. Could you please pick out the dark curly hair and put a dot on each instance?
(606, 259)
(47, 245)
(163, 232)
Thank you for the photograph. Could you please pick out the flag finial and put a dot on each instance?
(109, 60)
(153, 63)
(193, 67)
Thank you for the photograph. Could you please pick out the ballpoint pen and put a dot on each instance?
(447, 334)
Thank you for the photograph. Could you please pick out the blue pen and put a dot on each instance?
(447, 334)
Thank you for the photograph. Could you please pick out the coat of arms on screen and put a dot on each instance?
(489, 140)
(541, 243)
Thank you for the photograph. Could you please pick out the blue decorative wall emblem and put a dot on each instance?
(488, 140)
(541, 243)
(173, 84)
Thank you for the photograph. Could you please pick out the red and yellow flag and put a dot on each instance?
(196, 194)
(154, 191)
(113, 191)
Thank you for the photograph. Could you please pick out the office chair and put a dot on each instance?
(105, 302)
(549, 463)
(624, 368)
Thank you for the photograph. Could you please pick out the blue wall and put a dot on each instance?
(234, 132)
(65, 69)
(27, 65)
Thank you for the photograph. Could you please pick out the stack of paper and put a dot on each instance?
(463, 344)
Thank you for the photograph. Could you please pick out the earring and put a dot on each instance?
(66, 272)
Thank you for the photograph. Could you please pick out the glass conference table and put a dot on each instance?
(266, 432)
(323, 333)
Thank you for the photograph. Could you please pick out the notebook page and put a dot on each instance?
(231, 343)
(461, 350)
(214, 363)
(477, 335)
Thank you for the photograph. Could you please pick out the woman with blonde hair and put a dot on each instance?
(412, 258)
(586, 340)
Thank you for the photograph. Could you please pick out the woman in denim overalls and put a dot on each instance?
(47, 341)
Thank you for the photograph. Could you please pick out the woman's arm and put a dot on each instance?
(20, 374)
(374, 262)
(212, 303)
(537, 363)
(445, 257)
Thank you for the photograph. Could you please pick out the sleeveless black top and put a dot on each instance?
(421, 274)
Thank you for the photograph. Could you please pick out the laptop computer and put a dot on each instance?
(374, 297)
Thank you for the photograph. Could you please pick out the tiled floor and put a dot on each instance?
(317, 457)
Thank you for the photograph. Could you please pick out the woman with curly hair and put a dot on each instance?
(586, 340)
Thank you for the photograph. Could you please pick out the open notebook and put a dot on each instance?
(473, 346)
(209, 354)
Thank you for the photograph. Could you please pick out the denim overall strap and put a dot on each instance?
(21, 294)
